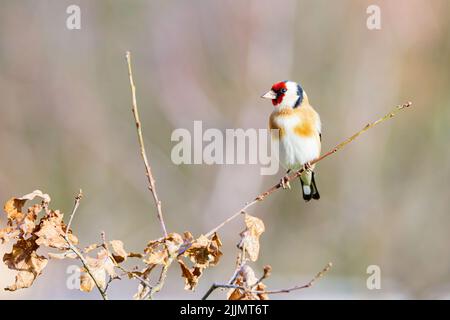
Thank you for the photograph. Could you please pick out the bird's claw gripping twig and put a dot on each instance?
(307, 166)
(284, 182)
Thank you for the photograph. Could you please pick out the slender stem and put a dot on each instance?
(241, 261)
(299, 287)
(274, 188)
(86, 267)
(162, 278)
(148, 170)
(74, 210)
(75, 249)
(129, 273)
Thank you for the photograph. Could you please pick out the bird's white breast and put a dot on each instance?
(295, 150)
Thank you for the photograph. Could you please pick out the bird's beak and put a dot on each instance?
(269, 95)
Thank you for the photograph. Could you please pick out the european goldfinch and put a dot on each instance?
(299, 132)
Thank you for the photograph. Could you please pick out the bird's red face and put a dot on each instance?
(285, 94)
(276, 93)
(280, 90)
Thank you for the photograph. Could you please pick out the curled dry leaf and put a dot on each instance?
(203, 253)
(119, 254)
(100, 267)
(159, 251)
(52, 231)
(190, 275)
(21, 224)
(30, 235)
(24, 259)
(248, 280)
(250, 236)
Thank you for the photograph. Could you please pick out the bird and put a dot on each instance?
(298, 133)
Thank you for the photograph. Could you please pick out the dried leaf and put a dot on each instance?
(173, 243)
(157, 257)
(205, 252)
(191, 277)
(248, 280)
(8, 233)
(86, 282)
(36, 193)
(250, 236)
(20, 224)
(24, 259)
(135, 255)
(100, 267)
(13, 207)
(52, 230)
(119, 252)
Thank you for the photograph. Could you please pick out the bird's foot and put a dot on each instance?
(307, 166)
(284, 182)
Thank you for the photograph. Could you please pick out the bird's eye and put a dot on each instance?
(283, 90)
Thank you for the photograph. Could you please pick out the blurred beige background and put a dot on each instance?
(66, 123)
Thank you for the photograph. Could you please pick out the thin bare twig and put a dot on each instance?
(241, 261)
(74, 210)
(129, 273)
(162, 277)
(86, 267)
(77, 252)
(246, 290)
(274, 188)
(148, 170)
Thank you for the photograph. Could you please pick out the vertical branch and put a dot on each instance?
(148, 170)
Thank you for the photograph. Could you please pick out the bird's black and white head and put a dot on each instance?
(286, 94)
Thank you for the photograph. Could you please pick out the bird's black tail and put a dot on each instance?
(310, 191)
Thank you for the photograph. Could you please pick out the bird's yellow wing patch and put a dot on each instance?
(306, 127)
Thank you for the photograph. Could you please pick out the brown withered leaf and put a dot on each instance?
(27, 225)
(158, 251)
(100, 267)
(21, 224)
(135, 255)
(119, 254)
(205, 252)
(13, 207)
(173, 243)
(248, 280)
(52, 231)
(250, 236)
(157, 257)
(36, 193)
(191, 276)
(24, 259)
(8, 233)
